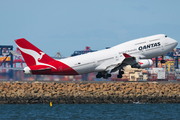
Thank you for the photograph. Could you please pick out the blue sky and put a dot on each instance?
(65, 26)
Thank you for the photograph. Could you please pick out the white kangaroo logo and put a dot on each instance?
(41, 55)
(36, 56)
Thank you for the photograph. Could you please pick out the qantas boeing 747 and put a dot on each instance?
(137, 53)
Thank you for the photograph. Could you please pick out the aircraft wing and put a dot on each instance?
(124, 60)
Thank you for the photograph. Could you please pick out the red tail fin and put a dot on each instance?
(31, 54)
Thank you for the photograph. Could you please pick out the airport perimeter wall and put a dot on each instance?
(120, 92)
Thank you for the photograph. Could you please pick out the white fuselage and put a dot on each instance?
(143, 48)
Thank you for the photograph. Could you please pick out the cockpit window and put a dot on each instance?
(165, 35)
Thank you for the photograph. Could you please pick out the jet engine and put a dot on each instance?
(145, 63)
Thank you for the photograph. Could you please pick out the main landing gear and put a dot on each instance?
(120, 74)
(105, 75)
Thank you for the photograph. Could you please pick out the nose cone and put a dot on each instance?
(173, 42)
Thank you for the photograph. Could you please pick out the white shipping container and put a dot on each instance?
(151, 71)
(156, 70)
(161, 74)
(177, 73)
(177, 70)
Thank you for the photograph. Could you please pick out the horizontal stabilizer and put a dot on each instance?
(15, 53)
(41, 70)
(13, 68)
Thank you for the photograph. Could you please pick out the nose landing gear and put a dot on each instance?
(163, 61)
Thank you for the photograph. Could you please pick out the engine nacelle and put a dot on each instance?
(27, 70)
(146, 63)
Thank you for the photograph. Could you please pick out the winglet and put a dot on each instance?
(126, 55)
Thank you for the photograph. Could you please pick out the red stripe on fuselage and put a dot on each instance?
(61, 69)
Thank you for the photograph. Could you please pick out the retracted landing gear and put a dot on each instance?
(120, 74)
(105, 75)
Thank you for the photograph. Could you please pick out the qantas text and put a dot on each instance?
(149, 46)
